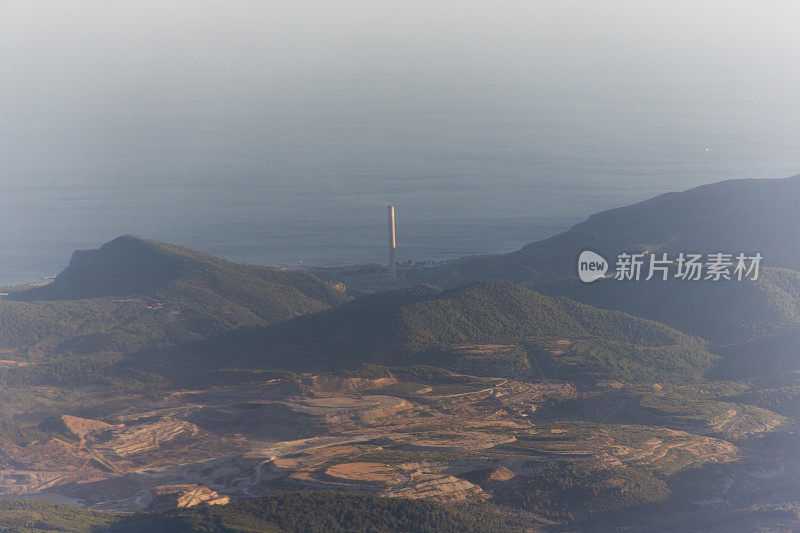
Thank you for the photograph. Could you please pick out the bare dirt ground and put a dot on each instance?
(423, 440)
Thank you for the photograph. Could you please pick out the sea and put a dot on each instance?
(475, 164)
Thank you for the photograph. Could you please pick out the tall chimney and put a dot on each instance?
(392, 246)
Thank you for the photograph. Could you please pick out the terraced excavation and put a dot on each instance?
(394, 437)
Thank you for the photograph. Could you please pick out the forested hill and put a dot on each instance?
(723, 312)
(310, 511)
(749, 215)
(424, 325)
(130, 265)
(131, 292)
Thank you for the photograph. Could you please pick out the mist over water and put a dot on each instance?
(270, 133)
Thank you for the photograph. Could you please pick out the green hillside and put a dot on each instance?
(772, 360)
(310, 512)
(132, 292)
(723, 312)
(422, 325)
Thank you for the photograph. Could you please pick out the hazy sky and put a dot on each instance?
(207, 122)
(95, 92)
(114, 42)
(82, 63)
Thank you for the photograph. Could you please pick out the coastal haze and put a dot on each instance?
(274, 132)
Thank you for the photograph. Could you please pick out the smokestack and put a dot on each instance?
(392, 246)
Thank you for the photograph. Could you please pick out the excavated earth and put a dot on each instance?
(382, 436)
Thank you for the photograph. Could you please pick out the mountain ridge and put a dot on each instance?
(133, 291)
(131, 265)
(422, 325)
(745, 215)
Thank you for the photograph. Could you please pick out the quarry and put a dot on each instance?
(382, 436)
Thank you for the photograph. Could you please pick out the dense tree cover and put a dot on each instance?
(17, 434)
(706, 408)
(318, 512)
(39, 516)
(770, 361)
(293, 512)
(420, 325)
(133, 294)
(574, 494)
(130, 265)
(784, 400)
(148, 296)
(723, 312)
(98, 370)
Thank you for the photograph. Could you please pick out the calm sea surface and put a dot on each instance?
(483, 166)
